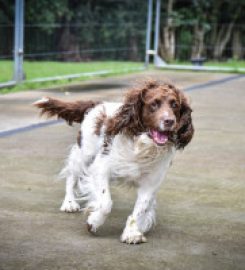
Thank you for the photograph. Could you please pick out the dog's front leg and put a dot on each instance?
(142, 218)
(101, 203)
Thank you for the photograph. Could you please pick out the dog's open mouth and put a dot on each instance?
(159, 137)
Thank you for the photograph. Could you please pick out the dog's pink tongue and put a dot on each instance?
(159, 137)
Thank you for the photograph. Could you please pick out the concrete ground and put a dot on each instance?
(201, 205)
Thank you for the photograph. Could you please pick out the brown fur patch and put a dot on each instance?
(129, 117)
(185, 130)
(144, 107)
(69, 111)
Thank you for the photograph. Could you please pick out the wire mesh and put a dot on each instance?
(91, 37)
(6, 52)
(63, 38)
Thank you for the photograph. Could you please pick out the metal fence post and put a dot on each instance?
(18, 41)
(148, 33)
(157, 28)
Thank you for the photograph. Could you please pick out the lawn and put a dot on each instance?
(44, 69)
(229, 64)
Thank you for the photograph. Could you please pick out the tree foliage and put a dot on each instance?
(211, 28)
(115, 29)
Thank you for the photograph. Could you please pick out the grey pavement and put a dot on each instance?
(201, 205)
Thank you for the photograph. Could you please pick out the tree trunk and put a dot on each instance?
(223, 38)
(133, 45)
(237, 52)
(68, 43)
(167, 41)
(198, 42)
(69, 46)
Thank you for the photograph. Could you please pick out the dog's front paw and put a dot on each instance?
(91, 229)
(130, 237)
(95, 220)
(131, 233)
(69, 206)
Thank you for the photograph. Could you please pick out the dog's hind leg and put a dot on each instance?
(100, 202)
(71, 172)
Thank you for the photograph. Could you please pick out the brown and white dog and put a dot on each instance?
(132, 142)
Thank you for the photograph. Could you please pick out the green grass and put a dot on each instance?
(229, 63)
(43, 69)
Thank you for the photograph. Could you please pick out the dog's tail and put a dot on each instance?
(69, 111)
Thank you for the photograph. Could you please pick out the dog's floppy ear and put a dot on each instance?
(69, 111)
(185, 127)
(128, 119)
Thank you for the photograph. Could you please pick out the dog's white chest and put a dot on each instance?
(132, 159)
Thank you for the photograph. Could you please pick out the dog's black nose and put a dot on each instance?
(168, 122)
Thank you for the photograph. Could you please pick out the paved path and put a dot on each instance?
(201, 217)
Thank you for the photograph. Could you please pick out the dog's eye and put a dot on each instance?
(155, 105)
(174, 104)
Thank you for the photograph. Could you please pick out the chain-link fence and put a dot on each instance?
(69, 39)
(85, 38)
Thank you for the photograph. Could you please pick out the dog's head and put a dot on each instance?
(159, 109)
